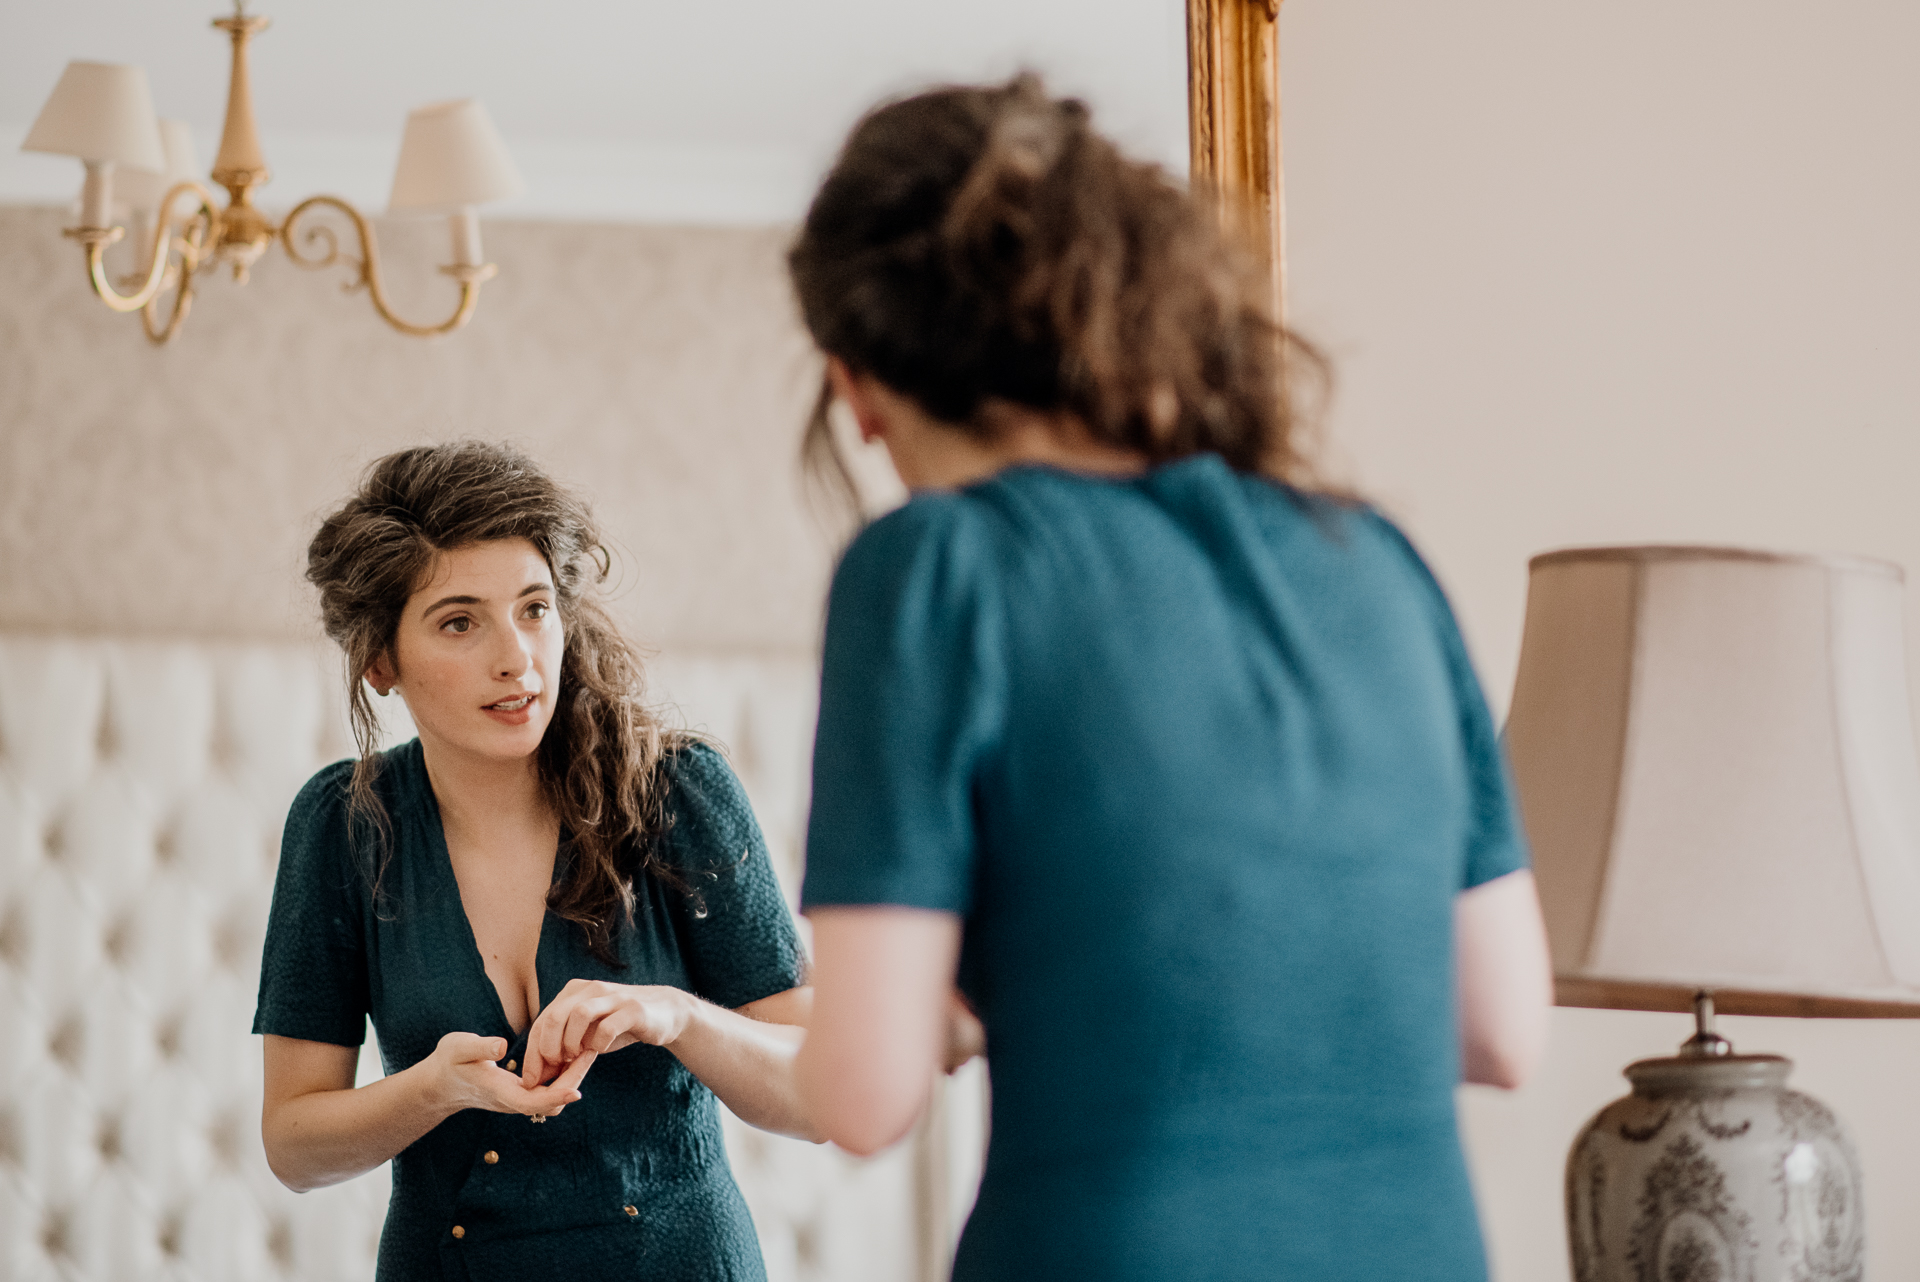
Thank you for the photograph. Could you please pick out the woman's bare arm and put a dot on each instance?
(881, 1026)
(745, 1057)
(319, 1129)
(1505, 980)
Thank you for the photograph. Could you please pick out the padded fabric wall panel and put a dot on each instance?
(142, 790)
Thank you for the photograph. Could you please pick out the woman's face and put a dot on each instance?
(477, 655)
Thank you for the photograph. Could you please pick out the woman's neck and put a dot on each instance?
(481, 795)
(1022, 437)
(933, 455)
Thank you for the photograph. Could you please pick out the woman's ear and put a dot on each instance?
(381, 676)
(852, 389)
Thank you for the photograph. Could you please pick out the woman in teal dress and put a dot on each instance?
(559, 915)
(1176, 763)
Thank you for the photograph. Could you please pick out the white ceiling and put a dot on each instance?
(620, 109)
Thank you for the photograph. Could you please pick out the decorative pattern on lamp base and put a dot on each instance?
(1713, 1171)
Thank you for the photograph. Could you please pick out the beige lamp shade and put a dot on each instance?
(100, 112)
(1715, 758)
(451, 156)
(143, 188)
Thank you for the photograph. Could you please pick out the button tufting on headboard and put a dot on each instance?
(142, 790)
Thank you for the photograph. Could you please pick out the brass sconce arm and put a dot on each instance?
(323, 250)
(160, 273)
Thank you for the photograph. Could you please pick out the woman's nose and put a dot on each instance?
(516, 655)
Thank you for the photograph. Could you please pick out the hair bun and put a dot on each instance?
(980, 246)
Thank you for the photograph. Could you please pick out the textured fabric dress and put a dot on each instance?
(631, 1181)
(1201, 764)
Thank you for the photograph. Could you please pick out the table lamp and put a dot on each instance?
(1715, 758)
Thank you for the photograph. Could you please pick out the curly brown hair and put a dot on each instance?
(599, 761)
(974, 245)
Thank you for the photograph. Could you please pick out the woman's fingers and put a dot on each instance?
(584, 1015)
(543, 1039)
(605, 1032)
(569, 1081)
(532, 1068)
(511, 1097)
(589, 1016)
(468, 1048)
(966, 1036)
(546, 1040)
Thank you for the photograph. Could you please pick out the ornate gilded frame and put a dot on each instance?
(1233, 117)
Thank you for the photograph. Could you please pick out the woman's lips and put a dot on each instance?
(513, 712)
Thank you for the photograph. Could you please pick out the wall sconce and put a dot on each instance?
(451, 159)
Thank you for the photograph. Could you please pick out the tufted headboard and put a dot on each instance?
(142, 789)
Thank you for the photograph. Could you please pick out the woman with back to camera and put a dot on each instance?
(560, 915)
(1179, 764)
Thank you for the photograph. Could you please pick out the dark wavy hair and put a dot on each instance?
(974, 245)
(600, 759)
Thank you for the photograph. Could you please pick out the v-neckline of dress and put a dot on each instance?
(477, 964)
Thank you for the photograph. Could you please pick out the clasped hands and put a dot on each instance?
(587, 1019)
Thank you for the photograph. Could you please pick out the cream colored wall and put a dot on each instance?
(172, 490)
(1622, 273)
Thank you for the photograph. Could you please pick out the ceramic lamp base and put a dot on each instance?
(1712, 1170)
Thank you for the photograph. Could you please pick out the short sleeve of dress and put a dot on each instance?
(313, 971)
(1497, 843)
(737, 936)
(911, 702)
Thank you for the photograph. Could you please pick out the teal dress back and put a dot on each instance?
(1200, 763)
(631, 1181)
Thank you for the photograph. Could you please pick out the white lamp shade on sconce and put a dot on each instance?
(103, 113)
(451, 157)
(1714, 752)
(142, 189)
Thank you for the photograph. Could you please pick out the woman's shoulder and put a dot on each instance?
(1394, 545)
(330, 789)
(939, 546)
(709, 820)
(928, 517)
(323, 821)
(325, 797)
(1345, 524)
(696, 767)
(703, 791)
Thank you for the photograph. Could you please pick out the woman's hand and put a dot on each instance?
(966, 1036)
(465, 1068)
(591, 1017)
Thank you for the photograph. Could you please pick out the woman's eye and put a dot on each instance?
(538, 610)
(457, 625)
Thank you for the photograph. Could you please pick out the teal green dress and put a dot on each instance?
(1201, 765)
(631, 1182)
